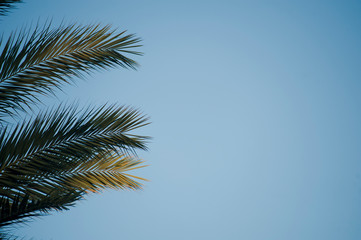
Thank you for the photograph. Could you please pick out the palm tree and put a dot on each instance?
(51, 159)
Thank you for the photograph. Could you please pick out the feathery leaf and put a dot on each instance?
(35, 153)
(22, 208)
(36, 63)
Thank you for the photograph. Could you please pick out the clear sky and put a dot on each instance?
(255, 109)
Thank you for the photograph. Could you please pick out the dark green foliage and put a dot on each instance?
(52, 159)
(36, 63)
(6, 5)
(23, 207)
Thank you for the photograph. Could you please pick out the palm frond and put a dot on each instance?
(102, 172)
(22, 208)
(6, 5)
(59, 142)
(50, 162)
(91, 175)
(36, 63)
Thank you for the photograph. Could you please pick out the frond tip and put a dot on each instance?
(36, 63)
(103, 172)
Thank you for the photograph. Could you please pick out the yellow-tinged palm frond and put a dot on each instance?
(57, 146)
(103, 171)
(36, 63)
(107, 170)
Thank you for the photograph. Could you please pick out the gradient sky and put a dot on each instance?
(255, 110)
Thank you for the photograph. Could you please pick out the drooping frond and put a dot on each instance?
(6, 5)
(22, 208)
(61, 142)
(36, 63)
(66, 187)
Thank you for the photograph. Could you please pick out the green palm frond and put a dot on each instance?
(36, 63)
(6, 5)
(52, 160)
(61, 142)
(22, 208)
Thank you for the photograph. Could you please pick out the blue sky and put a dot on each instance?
(255, 120)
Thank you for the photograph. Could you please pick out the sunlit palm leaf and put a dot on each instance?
(102, 172)
(93, 174)
(63, 142)
(32, 64)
